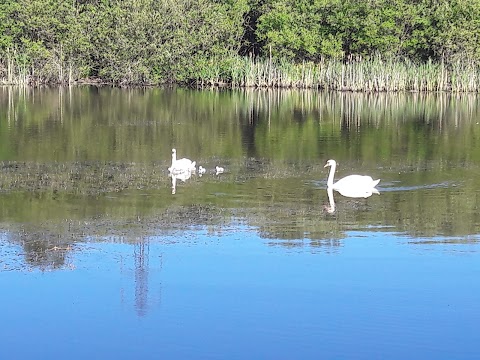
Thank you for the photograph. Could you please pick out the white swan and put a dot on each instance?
(181, 165)
(219, 169)
(358, 184)
(201, 170)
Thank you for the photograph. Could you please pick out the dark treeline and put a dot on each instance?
(296, 43)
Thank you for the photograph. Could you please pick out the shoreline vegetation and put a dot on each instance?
(361, 75)
(369, 75)
(364, 46)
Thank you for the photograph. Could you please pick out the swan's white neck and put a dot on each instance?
(331, 174)
(174, 157)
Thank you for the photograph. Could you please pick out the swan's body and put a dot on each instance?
(181, 165)
(219, 169)
(201, 170)
(360, 185)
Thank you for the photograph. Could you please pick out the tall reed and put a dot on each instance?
(376, 74)
(366, 75)
(17, 68)
(13, 70)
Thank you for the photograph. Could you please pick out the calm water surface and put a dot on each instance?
(99, 259)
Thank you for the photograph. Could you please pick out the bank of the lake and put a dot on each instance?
(376, 74)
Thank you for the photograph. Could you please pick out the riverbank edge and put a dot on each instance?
(359, 75)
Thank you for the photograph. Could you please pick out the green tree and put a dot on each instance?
(156, 41)
(313, 29)
(299, 30)
(456, 31)
(46, 36)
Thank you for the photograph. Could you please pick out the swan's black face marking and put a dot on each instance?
(330, 163)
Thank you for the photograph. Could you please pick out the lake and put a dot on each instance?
(104, 255)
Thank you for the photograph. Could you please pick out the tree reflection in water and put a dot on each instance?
(141, 261)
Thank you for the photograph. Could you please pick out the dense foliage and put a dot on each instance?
(159, 41)
(420, 29)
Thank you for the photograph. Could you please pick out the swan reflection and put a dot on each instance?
(219, 170)
(183, 176)
(358, 193)
(331, 202)
(350, 193)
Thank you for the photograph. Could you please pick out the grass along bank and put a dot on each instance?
(363, 75)
(375, 75)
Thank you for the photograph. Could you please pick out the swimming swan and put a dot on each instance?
(352, 183)
(181, 165)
